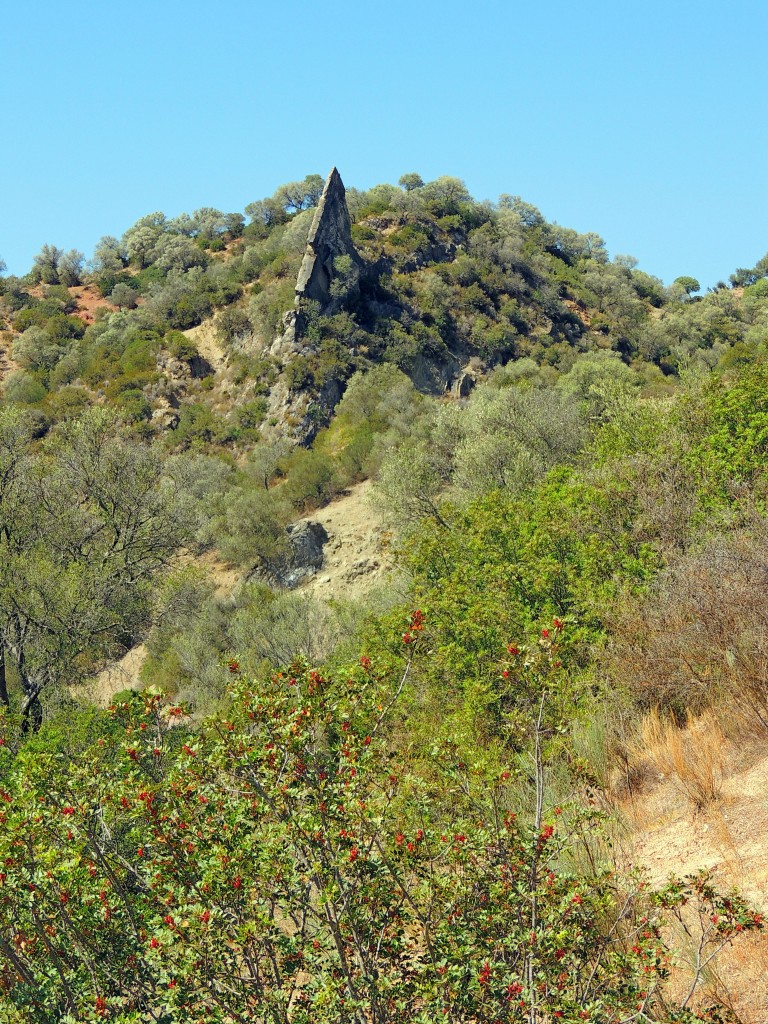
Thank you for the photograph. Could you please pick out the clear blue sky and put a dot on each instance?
(644, 122)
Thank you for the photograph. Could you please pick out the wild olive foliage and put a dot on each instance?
(88, 520)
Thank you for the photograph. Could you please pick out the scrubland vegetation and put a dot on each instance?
(404, 811)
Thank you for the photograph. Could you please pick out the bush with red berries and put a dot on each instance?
(282, 866)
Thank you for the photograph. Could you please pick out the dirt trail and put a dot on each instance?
(728, 838)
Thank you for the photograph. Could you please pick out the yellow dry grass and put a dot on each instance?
(692, 756)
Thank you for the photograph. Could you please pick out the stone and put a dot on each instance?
(463, 385)
(307, 539)
(329, 238)
(303, 557)
(165, 417)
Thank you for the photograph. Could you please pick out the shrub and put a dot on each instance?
(133, 405)
(180, 346)
(20, 386)
(280, 856)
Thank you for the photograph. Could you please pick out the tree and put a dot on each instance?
(70, 268)
(410, 182)
(140, 240)
(742, 278)
(22, 387)
(300, 195)
(109, 256)
(761, 267)
(177, 252)
(87, 523)
(123, 296)
(266, 212)
(687, 284)
(208, 222)
(35, 349)
(529, 215)
(445, 194)
(234, 224)
(45, 265)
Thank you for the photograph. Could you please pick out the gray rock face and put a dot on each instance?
(304, 556)
(463, 385)
(329, 238)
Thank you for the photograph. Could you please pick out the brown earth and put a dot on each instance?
(356, 555)
(729, 838)
(89, 299)
(204, 336)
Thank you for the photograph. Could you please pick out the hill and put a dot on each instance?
(431, 543)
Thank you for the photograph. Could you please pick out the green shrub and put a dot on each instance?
(180, 346)
(298, 374)
(24, 388)
(133, 405)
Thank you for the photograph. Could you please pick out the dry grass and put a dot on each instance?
(692, 756)
(735, 981)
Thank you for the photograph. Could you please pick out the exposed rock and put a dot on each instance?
(165, 417)
(463, 385)
(433, 375)
(330, 237)
(288, 343)
(362, 567)
(303, 558)
(199, 367)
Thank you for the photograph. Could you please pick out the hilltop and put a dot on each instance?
(430, 281)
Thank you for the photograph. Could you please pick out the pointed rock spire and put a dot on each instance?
(329, 237)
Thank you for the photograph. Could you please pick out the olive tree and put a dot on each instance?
(88, 521)
(45, 265)
(109, 256)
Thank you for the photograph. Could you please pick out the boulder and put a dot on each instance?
(463, 385)
(302, 559)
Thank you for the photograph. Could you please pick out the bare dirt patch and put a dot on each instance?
(729, 838)
(356, 555)
(204, 336)
(89, 299)
(124, 674)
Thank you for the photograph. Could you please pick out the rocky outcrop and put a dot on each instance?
(462, 386)
(330, 254)
(303, 557)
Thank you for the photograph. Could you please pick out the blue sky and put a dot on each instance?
(644, 122)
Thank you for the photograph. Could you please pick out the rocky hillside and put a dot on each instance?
(322, 282)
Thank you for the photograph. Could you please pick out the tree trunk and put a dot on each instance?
(4, 698)
(31, 712)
